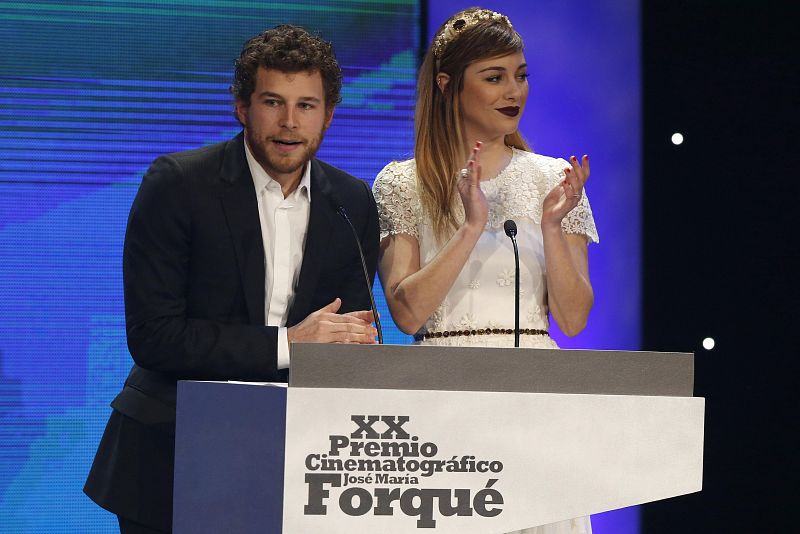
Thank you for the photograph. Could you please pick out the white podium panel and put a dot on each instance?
(395, 461)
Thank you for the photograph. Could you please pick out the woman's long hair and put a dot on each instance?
(439, 144)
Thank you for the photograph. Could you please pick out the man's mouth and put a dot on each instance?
(287, 146)
(287, 142)
(510, 111)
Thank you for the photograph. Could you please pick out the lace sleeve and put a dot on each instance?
(395, 194)
(580, 220)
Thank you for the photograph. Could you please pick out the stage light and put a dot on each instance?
(708, 343)
(677, 138)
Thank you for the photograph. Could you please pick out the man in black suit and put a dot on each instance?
(232, 252)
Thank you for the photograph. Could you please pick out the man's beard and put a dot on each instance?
(283, 164)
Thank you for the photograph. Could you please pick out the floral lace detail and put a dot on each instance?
(436, 320)
(395, 191)
(537, 315)
(534, 312)
(475, 284)
(518, 191)
(467, 322)
(505, 278)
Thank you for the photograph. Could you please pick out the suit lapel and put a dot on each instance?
(241, 212)
(320, 224)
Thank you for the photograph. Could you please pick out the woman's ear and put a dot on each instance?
(442, 80)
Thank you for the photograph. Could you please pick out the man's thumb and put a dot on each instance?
(333, 307)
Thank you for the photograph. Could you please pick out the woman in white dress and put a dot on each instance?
(446, 265)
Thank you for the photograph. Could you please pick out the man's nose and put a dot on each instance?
(289, 118)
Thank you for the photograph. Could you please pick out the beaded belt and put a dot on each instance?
(479, 332)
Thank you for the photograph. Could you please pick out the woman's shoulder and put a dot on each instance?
(546, 164)
(396, 174)
(395, 192)
(403, 169)
(539, 171)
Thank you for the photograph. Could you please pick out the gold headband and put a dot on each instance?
(454, 28)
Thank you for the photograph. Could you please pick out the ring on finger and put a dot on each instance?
(463, 172)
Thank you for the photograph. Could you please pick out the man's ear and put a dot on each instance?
(442, 80)
(241, 111)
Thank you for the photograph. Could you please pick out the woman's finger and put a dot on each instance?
(475, 173)
(474, 155)
(477, 150)
(585, 165)
(577, 172)
(572, 187)
(574, 183)
(469, 168)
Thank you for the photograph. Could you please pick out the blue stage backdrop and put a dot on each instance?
(584, 68)
(92, 91)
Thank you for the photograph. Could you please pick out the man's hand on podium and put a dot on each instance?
(327, 326)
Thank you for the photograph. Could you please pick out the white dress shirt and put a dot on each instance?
(284, 225)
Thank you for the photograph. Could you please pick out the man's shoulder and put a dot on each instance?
(339, 180)
(192, 168)
(335, 173)
(203, 154)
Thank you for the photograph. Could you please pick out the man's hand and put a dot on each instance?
(327, 326)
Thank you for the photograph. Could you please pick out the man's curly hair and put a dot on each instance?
(287, 48)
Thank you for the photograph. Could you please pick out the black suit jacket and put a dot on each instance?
(194, 270)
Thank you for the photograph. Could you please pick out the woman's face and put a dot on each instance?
(493, 97)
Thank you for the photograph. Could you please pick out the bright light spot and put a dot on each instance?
(708, 343)
(677, 138)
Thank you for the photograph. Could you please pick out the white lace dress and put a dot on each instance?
(482, 297)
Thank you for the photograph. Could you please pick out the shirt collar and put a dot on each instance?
(262, 180)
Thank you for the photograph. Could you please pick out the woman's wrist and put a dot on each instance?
(551, 227)
(472, 229)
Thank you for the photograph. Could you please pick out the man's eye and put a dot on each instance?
(271, 103)
(522, 77)
(306, 106)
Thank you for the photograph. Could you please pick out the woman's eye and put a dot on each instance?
(493, 78)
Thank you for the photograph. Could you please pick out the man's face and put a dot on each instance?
(285, 121)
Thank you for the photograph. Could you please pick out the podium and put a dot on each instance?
(397, 439)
